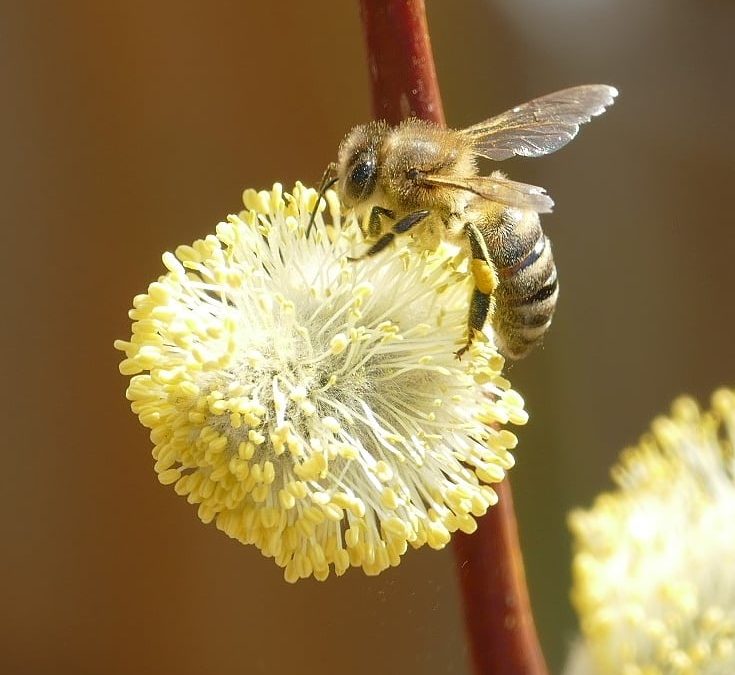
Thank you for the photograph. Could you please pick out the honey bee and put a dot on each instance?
(423, 178)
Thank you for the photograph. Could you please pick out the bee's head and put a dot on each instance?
(357, 162)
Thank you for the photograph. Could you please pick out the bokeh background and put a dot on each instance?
(129, 127)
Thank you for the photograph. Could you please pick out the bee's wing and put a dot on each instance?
(498, 188)
(540, 126)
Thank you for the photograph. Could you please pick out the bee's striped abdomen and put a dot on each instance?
(528, 289)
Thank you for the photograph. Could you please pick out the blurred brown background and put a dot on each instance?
(129, 127)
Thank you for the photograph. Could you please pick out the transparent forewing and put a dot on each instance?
(498, 188)
(540, 126)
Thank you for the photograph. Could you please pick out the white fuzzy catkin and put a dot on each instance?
(312, 405)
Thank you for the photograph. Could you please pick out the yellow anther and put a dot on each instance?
(169, 476)
(389, 498)
(397, 527)
(338, 343)
(383, 471)
(331, 424)
(256, 437)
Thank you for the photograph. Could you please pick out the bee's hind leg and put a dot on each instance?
(403, 225)
(479, 310)
(486, 281)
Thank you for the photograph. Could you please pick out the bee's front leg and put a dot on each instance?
(374, 226)
(403, 225)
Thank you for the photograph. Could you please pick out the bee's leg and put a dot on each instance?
(403, 225)
(479, 309)
(407, 222)
(376, 213)
(486, 281)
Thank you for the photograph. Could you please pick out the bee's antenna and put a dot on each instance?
(328, 179)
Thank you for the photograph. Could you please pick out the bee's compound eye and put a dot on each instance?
(363, 176)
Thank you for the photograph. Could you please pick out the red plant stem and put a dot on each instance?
(400, 60)
(497, 609)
